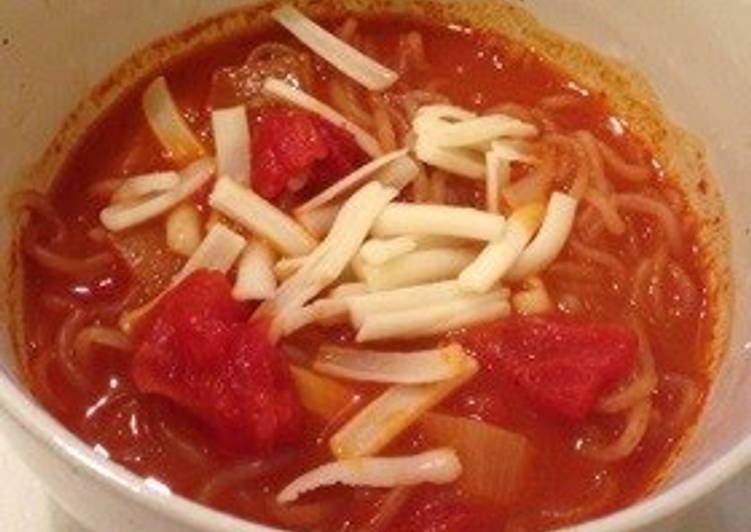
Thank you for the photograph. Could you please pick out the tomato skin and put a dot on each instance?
(197, 349)
(561, 365)
(291, 146)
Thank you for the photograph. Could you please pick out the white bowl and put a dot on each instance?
(698, 56)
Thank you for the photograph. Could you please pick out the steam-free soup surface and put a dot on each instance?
(639, 273)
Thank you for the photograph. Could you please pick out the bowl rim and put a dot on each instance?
(29, 416)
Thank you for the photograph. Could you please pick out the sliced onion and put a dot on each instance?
(377, 251)
(438, 318)
(124, 215)
(255, 274)
(421, 219)
(497, 257)
(256, 214)
(418, 267)
(280, 89)
(439, 466)
(550, 239)
(184, 229)
(341, 55)
(136, 187)
(418, 367)
(232, 143)
(168, 123)
(354, 180)
(392, 412)
(321, 395)
(218, 251)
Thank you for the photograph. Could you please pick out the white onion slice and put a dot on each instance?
(138, 186)
(219, 250)
(124, 215)
(438, 318)
(439, 466)
(419, 267)
(261, 217)
(377, 251)
(499, 256)
(232, 143)
(417, 367)
(255, 274)
(184, 229)
(423, 219)
(392, 412)
(550, 239)
(280, 89)
(328, 260)
(354, 180)
(168, 123)
(459, 161)
(341, 55)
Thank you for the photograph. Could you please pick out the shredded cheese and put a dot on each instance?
(232, 142)
(418, 267)
(421, 219)
(255, 275)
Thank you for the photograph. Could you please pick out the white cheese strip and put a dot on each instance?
(416, 367)
(550, 239)
(361, 306)
(286, 267)
(437, 318)
(318, 221)
(255, 273)
(439, 466)
(498, 256)
(418, 267)
(250, 210)
(391, 413)
(348, 290)
(218, 251)
(459, 161)
(232, 143)
(440, 111)
(341, 55)
(280, 89)
(354, 180)
(138, 186)
(421, 219)
(168, 123)
(377, 251)
(330, 258)
(477, 130)
(124, 215)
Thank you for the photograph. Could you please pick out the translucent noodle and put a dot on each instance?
(639, 386)
(608, 211)
(347, 30)
(388, 510)
(238, 474)
(667, 219)
(608, 261)
(594, 160)
(74, 266)
(384, 129)
(305, 516)
(630, 172)
(636, 424)
(687, 397)
(345, 100)
(64, 341)
(39, 205)
(97, 335)
(592, 503)
(181, 443)
(688, 299)
(560, 101)
(412, 52)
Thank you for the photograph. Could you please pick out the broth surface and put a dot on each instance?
(156, 439)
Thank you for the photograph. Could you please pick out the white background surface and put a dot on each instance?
(25, 508)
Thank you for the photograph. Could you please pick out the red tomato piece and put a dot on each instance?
(562, 366)
(291, 146)
(197, 349)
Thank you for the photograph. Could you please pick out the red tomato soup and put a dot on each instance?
(503, 326)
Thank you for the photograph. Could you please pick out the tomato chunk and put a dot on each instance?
(294, 148)
(561, 365)
(197, 349)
